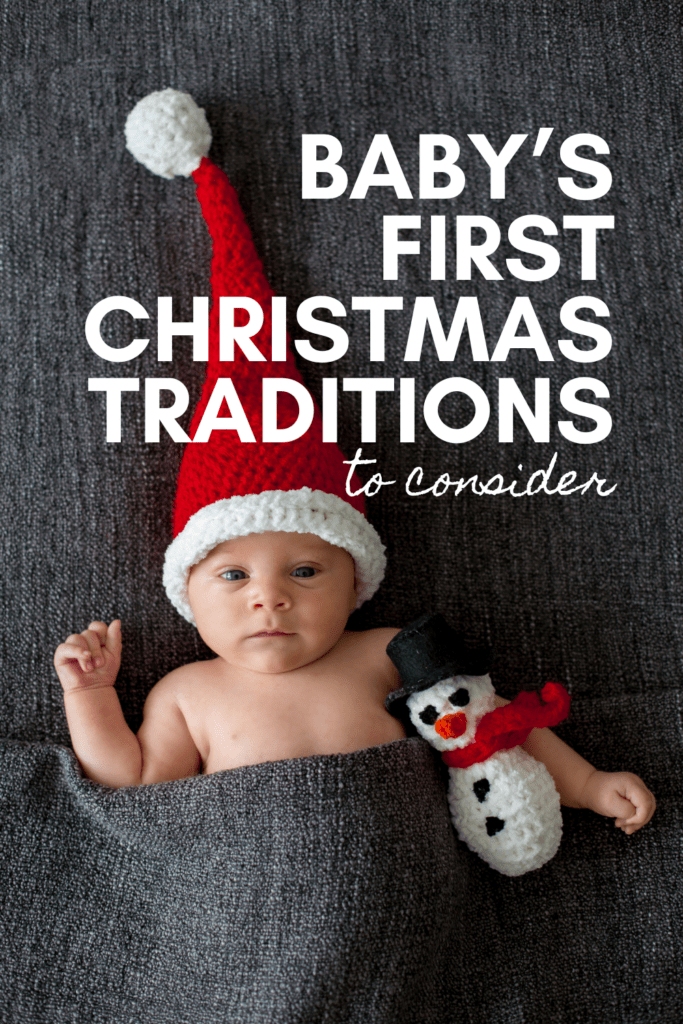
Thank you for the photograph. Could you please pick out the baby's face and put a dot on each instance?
(272, 602)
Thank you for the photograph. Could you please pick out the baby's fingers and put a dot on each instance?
(628, 829)
(644, 806)
(113, 638)
(100, 628)
(95, 643)
(75, 648)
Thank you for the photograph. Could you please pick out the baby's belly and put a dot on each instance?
(258, 746)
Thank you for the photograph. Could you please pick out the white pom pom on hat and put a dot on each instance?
(168, 133)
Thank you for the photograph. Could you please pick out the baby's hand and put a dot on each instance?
(91, 658)
(620, 795)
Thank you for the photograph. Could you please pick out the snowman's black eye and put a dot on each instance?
(429, 715)
(460, 698)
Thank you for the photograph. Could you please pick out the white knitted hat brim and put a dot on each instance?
(302, 511)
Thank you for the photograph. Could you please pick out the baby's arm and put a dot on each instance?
(108, 751)
(619, 795)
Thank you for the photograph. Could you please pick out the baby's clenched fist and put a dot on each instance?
(91, 658)
(622, 796)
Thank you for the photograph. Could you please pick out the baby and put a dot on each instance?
(287, 681)
(271, 553)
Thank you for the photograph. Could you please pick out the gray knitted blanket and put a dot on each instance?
(333, 889)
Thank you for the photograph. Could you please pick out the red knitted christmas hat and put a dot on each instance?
(232, 483)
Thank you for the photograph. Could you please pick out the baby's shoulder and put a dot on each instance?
(173, 686)
(375, 640)
(381, 637)
(371, 646)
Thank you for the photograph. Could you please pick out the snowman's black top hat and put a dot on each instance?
(429, 650)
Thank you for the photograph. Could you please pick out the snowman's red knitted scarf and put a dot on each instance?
(509, 726)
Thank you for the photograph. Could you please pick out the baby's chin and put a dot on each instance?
(273, 656)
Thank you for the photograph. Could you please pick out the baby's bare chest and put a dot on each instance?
(238, 721)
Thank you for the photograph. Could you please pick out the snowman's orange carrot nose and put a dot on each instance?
(451, 726)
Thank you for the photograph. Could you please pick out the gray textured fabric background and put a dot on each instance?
(583, 589)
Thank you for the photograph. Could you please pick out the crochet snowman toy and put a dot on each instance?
(503, 802)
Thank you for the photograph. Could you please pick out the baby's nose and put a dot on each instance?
(270, 594)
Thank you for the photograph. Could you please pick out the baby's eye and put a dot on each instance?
(234, 574)
(460, 698)
(304, 571)
(429, 715)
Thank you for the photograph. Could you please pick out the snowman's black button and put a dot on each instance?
(494, 825)
(480, 789)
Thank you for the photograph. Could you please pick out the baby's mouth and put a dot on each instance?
(270, 632)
